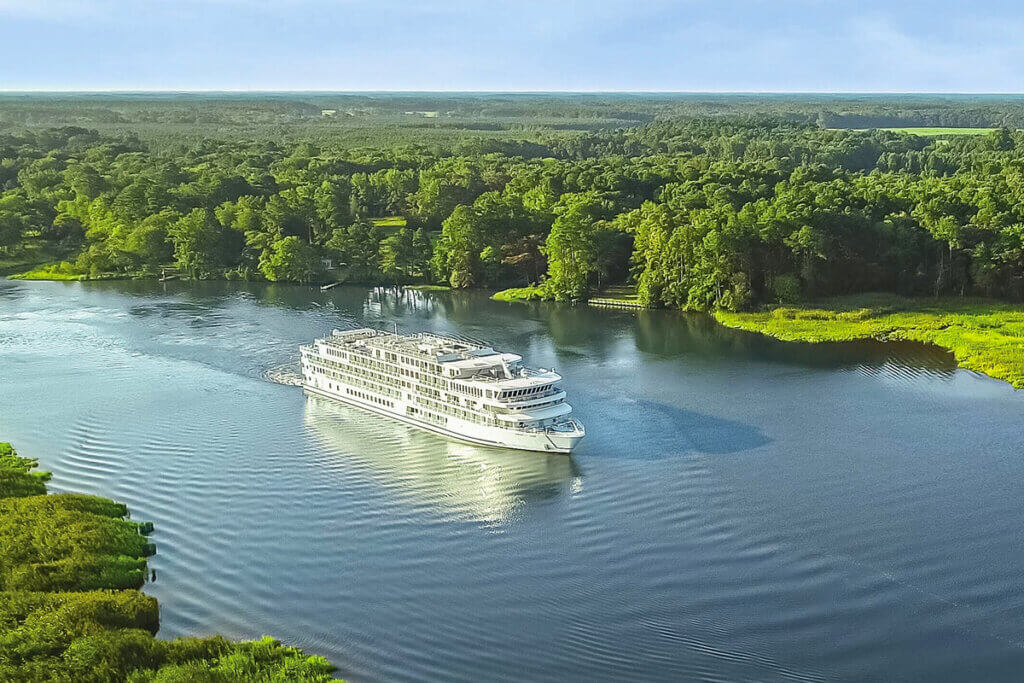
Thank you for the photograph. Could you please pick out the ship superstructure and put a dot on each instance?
(453, 386)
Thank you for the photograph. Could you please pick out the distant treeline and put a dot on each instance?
(926, 118)
(710, 212)
(557, 110)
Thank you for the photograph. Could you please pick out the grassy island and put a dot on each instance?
(984, 336)
(528, 293)
(70, 609)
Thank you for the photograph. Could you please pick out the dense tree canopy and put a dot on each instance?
(699, 213)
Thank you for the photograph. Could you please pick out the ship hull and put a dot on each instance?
(540, 441)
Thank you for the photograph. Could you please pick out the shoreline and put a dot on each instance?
(55, 272)
(984, 336)
(71, 571)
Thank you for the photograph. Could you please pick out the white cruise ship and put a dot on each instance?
(458, 388)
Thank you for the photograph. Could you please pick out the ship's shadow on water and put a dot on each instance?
(663, 431)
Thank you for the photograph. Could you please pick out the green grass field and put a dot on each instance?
(930, 132)
(52, 271)
(389, 222)
(984, 336)
(624, 293)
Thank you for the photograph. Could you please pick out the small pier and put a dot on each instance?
(617, 296)
(616, 303)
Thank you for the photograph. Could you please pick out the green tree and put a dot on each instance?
(398, 255)
(12, 225)
(197, 242)
(290, 260)
(358, 248)
(571, 247)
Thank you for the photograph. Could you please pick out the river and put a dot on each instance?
(742, 509)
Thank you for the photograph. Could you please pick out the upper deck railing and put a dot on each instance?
(412, 344)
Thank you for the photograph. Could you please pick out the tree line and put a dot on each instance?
(700, 213)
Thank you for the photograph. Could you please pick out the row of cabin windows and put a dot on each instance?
(472, 391)
(415, 362)
(393, 371)
(352, 370)
(352, 374)
(525, 392)
(384, 377)
(426, 415)
(388, 355)
(431, 379)
(349, 379)
(368, 397)
(535, 406)
(457, 412)
(388, 372)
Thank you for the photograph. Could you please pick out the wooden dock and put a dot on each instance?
(616, 303)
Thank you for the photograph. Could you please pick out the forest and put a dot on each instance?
(701, 204)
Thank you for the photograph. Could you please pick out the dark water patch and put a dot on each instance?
(670, 431)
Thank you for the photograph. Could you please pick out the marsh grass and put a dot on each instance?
(70, 567)
(62, 270)
(529, 293)
(984, 336)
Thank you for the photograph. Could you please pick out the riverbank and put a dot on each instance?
(616, 296)
(71, 567)
(984, 336)
(66, 271)
(62, 271)
(31, 257)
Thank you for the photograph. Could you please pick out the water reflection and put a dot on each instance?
(459, 480)
(9, 290)
(669, 333)
(571, 333)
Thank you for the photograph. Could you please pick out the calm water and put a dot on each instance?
(741, 509)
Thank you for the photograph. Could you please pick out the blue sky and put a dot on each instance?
(684, 45)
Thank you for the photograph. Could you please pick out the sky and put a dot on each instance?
(514, 45)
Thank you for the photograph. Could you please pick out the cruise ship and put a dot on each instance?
(456, 387)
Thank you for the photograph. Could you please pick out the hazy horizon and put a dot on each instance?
(295, 91)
